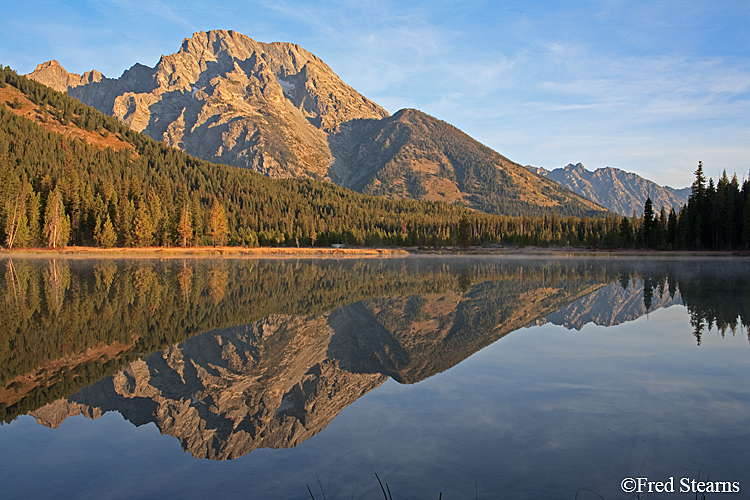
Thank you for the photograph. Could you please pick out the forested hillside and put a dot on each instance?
(58, 190)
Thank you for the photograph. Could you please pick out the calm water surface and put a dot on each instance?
(471, 378)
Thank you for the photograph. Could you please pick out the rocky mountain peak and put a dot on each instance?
(228, 99)
(578, 168)
(618, 190)
(53, 75)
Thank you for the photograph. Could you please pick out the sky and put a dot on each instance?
(652, 87)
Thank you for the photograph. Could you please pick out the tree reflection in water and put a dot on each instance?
(233, 355)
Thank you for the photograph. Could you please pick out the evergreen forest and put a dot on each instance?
(57, 190)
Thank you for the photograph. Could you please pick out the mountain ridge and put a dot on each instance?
(279, 110)
(414, 155)
(618, 190)
(229, 99)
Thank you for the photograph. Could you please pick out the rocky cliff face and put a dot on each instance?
(414, 155)
(229, 99)
(620, 191)
(279, 110)
(53, 75)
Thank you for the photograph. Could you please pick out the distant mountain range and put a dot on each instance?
(279, 110)
(620, 191)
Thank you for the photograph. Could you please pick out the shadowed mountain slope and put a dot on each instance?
(414, 155)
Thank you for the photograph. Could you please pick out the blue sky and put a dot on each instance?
(647, 86)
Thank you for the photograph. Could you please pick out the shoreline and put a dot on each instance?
(213, 252)
(360, 252)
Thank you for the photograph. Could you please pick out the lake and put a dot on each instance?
(437, 377)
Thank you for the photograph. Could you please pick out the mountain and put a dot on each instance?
(54, 76)
(279, 110)
(620, 191)
(414, 155)
(122, 188)
(118, 187)
(228, 99)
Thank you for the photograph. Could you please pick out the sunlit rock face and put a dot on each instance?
(229, 99)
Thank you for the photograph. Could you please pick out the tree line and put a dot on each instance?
(716, 217)
(57, 191)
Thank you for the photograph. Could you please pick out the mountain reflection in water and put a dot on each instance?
(235, 355)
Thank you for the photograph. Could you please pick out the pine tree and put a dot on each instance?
(313, 236)
(695, 216)
(14, 217)
(218, 225)
(648, 223)
(33, 203)
(104, 234)
(196, 211)
(143, 226)
(126, 211)
(672, 228)
(660, 240)
(698, 187)
(626, 233)
(746, 225)
(56, 221)
(109, 235)
(158, 218)
(185, 226)
(464, 232)
(98, 230)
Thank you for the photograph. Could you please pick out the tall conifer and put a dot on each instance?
(56, 221)
(218, 225)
